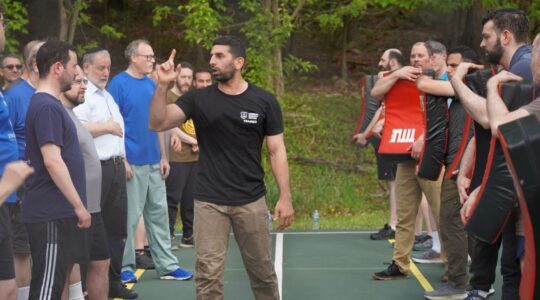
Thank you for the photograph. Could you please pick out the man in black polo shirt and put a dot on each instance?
(232, 119)
(54, 204)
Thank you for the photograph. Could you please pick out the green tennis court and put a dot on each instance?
(310, 265)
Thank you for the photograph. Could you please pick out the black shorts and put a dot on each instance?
(7, 270)
(97, 239)
(55, 246)
(385, 170)
(21, 246)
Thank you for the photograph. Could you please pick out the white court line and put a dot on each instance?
(325, 232)
(278, 262)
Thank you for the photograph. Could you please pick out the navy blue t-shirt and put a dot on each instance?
(18, 99)
(521, 64)
(8, 144)
(48, 122)
(230, 131)
(133, 96)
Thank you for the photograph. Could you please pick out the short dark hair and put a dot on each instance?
(513, 20)
(467, 53)
(186, 65)
(9, 55)
(393, 54)
(236, 45)
(201, 70)
(50, 53)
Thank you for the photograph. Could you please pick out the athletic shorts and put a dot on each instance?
(385, 170)
(21, 246)
(7, 270)
(97, 239)
(55, 246)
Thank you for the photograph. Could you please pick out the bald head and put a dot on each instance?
(386, 58)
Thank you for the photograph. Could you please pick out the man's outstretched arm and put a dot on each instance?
(163, 116)
(474, 104)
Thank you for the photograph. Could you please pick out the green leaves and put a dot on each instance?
(111, 32)
(202, 21)
(17, 14)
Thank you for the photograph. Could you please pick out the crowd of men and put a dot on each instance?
(107, 159)
(451, 197)
(106, 164)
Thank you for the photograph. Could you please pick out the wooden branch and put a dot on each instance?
(298, 8)
(62, 30)
(73, 24)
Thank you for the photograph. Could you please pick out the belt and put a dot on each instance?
(115, 160)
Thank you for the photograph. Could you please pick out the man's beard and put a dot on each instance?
(494, 56)
(224, 77)
(385, 67)
(185, 88)
(65, 82)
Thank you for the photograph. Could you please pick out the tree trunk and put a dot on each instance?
(73, 18)
(63, 28)
(277, 61)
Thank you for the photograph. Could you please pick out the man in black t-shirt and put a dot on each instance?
(232, 119)
(54, 205)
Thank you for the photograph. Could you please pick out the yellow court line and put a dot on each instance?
(416, 272)
(138, 274)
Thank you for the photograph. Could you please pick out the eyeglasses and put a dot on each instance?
(79, 81)
(148, 57)
(13, 67)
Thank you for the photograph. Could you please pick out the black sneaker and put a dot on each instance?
(187, 242)
(121, 291)
(385, 233)
(391, 273)
(147, 251)
(143, 261)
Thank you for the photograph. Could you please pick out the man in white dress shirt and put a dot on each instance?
(101, 116)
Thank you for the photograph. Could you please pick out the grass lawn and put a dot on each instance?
(327, 172)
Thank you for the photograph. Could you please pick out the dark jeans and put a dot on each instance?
(114, 213)
(180, 186)
(484, 262)
(453, 234)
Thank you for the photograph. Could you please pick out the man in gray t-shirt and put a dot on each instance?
(97, 279)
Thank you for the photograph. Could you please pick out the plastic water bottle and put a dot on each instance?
(270, 219)
(316, 219)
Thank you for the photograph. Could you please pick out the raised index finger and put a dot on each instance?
(173, 54)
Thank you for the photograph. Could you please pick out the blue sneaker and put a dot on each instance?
(178, 274)
(128, 277)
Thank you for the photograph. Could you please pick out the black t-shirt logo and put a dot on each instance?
(249, 117)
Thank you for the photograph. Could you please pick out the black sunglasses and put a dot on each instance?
(12, 67)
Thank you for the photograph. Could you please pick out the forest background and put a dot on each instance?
(309, 53)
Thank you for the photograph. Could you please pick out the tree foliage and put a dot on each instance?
(17, 16)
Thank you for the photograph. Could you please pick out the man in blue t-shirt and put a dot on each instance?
(18, 100)
(504, 38)
(147, 165)
(232, 119)
(53, 208)
(8, 153)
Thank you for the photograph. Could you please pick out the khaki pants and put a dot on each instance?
(409, 189)
(453, 234)
(249, 223)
